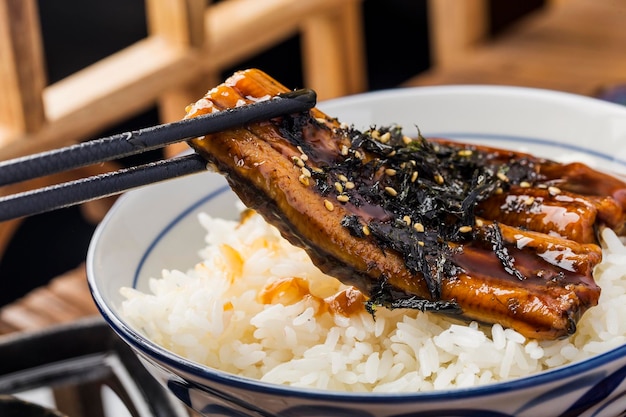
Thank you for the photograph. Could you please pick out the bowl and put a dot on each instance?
(156, 227)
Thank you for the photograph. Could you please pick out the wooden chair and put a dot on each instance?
(568, 45)
(189, 43)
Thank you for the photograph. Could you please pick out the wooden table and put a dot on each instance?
(577, 47)
(66, 298)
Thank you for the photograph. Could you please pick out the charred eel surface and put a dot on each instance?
(483, 233)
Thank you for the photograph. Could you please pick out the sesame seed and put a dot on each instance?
(342, 177)
(420, 243)
(479, 223)
(407, 220)
(366, 230)
(329, 206)
(303, 156)
(375, 134)
(524, 184)
(349, 185)
(385, 137)
(343, 198)
(502, 177)
(419, 227)
(390, 171)
(414, 176)
(344, 150)
(339, 187)
(306, 172)
(392, 153)
(465, 229)
(297, 161)
(407, 140)
(499, 190)
(554, 190)
(358, 155)
(317, 169)
(391, 191)
(529, 201)
(465, 152)
(320, 119)
(304, 180)
(439, 179)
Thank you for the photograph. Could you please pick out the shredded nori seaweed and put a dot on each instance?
(418, 196)
(385, 296)
(494, 234)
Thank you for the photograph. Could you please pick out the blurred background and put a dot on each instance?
(74, 70)
(397, 40)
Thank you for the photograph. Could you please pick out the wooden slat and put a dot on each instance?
(92, 99)
(180, 23)
(354, 58)
(6, 328)
(7, 230)
(267, 22)
(66, 298)
(323, 68)
(23, 319)
(43, 302)
(455, 27)
(333, 59)
(124, 82)
(270, 21)
(575, 47)
(22, 76)
(73, 289)
(132, 79)
(333, 50)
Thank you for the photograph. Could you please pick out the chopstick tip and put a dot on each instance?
(303, 95)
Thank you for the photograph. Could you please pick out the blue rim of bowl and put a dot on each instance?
(151, 349)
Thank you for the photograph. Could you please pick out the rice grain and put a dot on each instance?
(257, 306)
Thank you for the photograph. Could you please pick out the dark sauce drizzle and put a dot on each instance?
(411, 195)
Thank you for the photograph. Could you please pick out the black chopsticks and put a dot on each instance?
(126, 144)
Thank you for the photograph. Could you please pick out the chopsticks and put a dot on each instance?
(125, 144)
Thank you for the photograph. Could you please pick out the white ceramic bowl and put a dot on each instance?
(156, 227)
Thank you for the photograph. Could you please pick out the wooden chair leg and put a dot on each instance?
(22, 76)
(322, 70)
(455, 27)
(7, 230)
(179, 22)
(332, 55)
(354, 49)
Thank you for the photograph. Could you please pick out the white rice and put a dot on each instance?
(213, 315)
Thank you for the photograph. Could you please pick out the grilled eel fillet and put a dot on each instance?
(483, 233)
